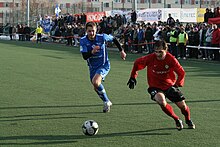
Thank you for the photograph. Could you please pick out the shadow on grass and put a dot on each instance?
(38, 143)
(61, 139)
(98, 105)
(71, 115)
(43, 116)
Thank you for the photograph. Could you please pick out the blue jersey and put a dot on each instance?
(99, 58)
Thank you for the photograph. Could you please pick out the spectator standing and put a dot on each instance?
(140, 36)
(39, 32)
(216, 12)
(208, 40)
(133, 16)
(76, 34)
(69, 35)
(27, 32)
(134, 38)
(19, 31)
(216, 41)
(173, 42)
(149, 38)
(14, 30)
(124, 19)
(207, 15)
(158, 34)
(170, 21)
(195, 42)
(23, 33)
(127, 37)
(202, 38)
(181, 42)
(83, 16)
(82, 31)
(10, 32)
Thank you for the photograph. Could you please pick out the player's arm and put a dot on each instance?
(86, 55)
(90, 53)
(139, 64)
(116, 42)
(85, 52)
(178, 69)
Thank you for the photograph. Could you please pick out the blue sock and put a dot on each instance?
(102, 93)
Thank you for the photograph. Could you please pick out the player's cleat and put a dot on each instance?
(190, 124)
(107, 106)
(179, 124)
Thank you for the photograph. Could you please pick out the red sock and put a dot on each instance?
(186, 113)
(169, 111)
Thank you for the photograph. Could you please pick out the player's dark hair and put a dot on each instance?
(160, 44)
(90, 24)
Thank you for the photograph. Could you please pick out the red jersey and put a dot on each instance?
(160, 73)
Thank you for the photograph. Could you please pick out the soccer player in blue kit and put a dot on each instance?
(93, 49)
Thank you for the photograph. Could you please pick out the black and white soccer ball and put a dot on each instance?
(90, 127)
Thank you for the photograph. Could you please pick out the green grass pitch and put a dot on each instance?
(46, 95)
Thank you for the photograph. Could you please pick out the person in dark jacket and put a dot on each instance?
(149, 38)
(27, 32)
(133, 16)
(208, 14)
(193, 40)
(170, 21)
(10, 31)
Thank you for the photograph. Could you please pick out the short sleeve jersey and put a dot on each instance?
(99, 58)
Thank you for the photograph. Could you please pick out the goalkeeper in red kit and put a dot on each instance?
(164, 75)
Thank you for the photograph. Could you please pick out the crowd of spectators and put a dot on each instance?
(185, 40)
(209, 14)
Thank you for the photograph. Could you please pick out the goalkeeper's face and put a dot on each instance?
(160, 53)
(91, 32)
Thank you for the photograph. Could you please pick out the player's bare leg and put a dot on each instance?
(100, 90)
(186, 112)
(167, 108)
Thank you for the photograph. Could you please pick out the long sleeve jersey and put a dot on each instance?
(160, 73)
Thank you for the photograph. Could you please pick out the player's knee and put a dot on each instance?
(160, 99)
(182, 105)
(96, 83)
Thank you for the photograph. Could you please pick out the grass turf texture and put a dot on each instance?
(46, 96)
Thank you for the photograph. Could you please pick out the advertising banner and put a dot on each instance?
(94, 16)
(175, 13)
(150, 15)
(200, 14)
(188, 15)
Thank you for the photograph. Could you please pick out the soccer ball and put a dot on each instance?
(90, 127)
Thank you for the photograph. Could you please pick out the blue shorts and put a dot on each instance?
(102, 70)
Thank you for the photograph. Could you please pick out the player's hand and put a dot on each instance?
(173, 89)
(176, 86)
(131, 83)
(123, 54)
(95, 49)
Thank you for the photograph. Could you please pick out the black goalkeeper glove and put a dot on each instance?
(131, 83)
